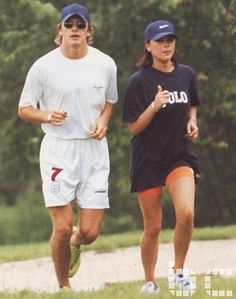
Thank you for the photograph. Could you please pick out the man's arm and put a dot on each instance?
(56, 118)
(99, 129)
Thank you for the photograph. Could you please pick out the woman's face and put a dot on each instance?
(162, 50)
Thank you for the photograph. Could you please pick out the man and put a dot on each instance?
(71, 91)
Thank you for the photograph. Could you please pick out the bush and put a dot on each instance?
(29, 221)
(120, 224)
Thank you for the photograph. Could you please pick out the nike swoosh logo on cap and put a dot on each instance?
(163, 26)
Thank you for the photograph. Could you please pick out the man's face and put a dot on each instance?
(74, 32)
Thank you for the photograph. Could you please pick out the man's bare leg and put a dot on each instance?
(88, 228)
(60, 242)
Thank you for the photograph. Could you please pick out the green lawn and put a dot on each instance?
(109, 242)
(121, 290)
(131, 291)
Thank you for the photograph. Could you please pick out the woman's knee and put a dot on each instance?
(152, 232)
(185, 217)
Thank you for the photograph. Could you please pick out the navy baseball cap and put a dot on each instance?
(75, 10)
(159, 29)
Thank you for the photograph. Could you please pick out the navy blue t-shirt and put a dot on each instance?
(161, 146)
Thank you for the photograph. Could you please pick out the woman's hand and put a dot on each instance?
(161, 99)
(192, 129)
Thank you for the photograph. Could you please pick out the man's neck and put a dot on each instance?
(76, 52)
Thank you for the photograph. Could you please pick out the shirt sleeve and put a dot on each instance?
(193, 92)
(111, 87)
(133, 106)
(32, 90)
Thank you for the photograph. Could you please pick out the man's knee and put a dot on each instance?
(88, 236)
(62, 231)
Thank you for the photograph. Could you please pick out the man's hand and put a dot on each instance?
(57, 117)
(98, 130)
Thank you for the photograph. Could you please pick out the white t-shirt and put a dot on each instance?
(79, 86)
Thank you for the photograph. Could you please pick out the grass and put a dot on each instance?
(130, 291)
(120, 290)
(110, 242)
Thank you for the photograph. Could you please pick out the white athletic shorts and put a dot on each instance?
(75, 169)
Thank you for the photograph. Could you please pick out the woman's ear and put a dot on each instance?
(147, 45)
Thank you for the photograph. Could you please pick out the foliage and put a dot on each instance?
(30, 249)
(25, 223)
(206, 31)
(22, 40)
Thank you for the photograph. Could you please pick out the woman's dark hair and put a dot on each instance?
(147, 61)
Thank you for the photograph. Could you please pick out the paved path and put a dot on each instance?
(120, 265)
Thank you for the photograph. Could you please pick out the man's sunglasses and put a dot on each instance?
(79, 25)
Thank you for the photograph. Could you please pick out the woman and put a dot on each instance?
(161, 109)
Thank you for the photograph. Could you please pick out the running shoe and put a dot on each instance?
(74, 260)
(183, 282)
(150, 288)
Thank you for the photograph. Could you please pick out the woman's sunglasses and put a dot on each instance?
(79, 25)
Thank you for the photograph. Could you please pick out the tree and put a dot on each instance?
(21, 42)
(206, 41)
(206, 30)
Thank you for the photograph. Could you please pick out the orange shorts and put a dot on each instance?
(175, 174)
